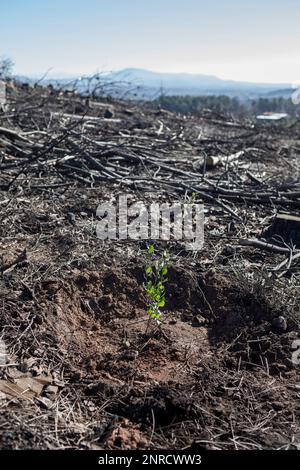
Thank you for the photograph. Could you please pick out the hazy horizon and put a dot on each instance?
(255, 42)
(65, 76)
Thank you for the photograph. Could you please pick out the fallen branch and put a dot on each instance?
(264, 245)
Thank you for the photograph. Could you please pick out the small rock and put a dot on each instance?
(127, 344)
(280, 323)
(108, 114)
(198, 321)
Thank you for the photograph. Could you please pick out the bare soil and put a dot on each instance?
(217, 373)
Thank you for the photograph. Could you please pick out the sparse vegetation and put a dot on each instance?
(6, 66)
(156, 271)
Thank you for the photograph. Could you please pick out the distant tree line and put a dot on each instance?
(226, 104)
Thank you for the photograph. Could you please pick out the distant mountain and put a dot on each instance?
(141, 83)
(195, 84)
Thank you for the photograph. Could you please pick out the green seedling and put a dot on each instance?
(156, 271)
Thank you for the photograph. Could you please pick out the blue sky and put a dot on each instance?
(257, 40)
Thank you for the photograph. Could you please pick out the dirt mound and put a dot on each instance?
(184, 378)
(168, 376)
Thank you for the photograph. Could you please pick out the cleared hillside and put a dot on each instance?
(81, 369)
